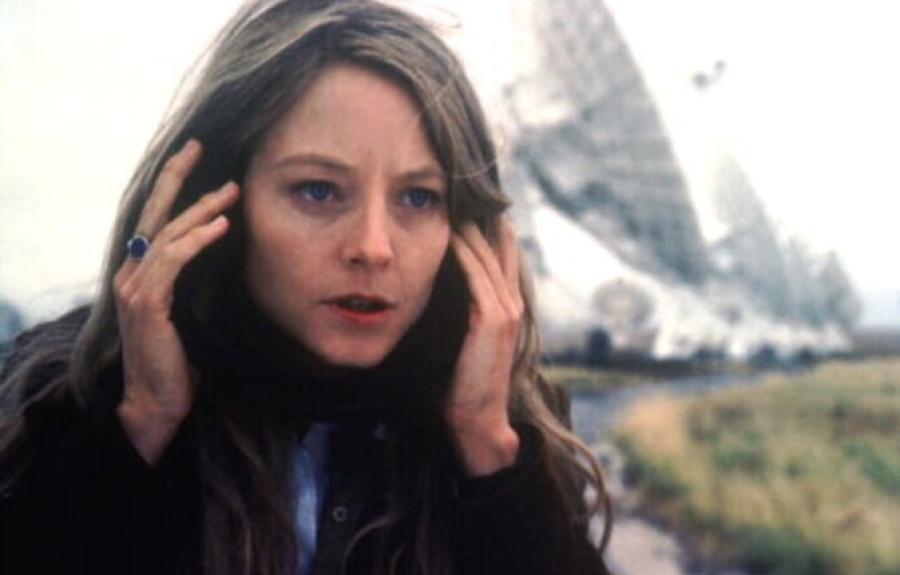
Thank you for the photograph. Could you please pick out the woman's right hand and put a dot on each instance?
(159, 381)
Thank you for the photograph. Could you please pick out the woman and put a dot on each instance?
(313, 351)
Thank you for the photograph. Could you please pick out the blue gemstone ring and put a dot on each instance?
(137, 247)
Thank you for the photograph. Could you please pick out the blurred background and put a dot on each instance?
(707, 195)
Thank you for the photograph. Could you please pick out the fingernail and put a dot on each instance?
(191, 146)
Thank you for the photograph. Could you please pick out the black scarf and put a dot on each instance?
(248, 362)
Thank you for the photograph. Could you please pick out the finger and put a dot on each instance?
(488, 258)
(125, 271)
(201, 212)
(154, 281)
(482, 292)
(166, 188)
(509, 258)
(205, 210)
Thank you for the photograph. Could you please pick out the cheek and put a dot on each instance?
(275, 263)
(281, 269)
(429, 258)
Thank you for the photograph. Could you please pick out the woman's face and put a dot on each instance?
(345, 207)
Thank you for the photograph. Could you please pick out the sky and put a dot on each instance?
(807, 104)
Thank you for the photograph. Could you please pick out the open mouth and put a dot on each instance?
(361, 304)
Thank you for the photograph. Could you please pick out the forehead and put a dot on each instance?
(352, 110)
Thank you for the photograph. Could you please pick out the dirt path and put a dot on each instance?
(637, 546)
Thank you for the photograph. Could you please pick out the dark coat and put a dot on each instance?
(88, 503)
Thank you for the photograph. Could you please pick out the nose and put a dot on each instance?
(368, 243)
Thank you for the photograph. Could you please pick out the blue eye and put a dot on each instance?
(421, 198)
(315, 191)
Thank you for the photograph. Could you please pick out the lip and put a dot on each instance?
(357, 317)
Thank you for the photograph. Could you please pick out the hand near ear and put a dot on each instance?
(477, 410)
(159, 386)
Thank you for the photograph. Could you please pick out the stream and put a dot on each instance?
(638, 545)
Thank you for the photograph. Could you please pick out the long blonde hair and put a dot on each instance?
(261, 62)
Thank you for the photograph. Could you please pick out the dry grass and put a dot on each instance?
(800, 475)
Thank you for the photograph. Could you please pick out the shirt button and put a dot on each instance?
(339, 514)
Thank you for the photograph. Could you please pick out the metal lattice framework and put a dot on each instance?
(610, 164)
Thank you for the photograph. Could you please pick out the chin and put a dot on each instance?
(353, 357)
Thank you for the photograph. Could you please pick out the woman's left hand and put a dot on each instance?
(477, 410)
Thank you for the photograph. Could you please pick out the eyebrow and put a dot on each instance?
(337, 165)
(313, 159)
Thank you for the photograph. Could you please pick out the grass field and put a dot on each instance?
(799, 475)
(575, 378)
